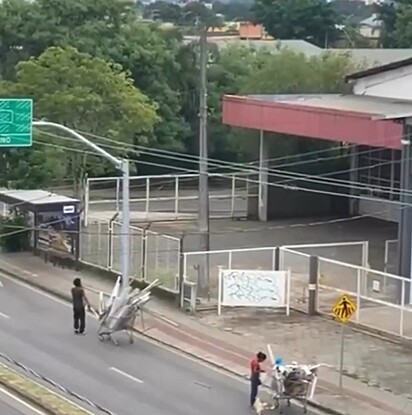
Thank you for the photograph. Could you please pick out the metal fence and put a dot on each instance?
(298, 264)
(162, 259)
(265, 259)
(382, 298)
(353, 252)
(170, 193)
(391, 256)
(152, 255)
(247, 258)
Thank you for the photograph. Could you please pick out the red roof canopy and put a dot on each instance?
(354, 119)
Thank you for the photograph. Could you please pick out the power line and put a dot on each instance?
(220, 163)
(188, 156)
(317, 191)
(286, 175)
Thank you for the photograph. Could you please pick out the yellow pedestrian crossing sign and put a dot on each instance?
(344, 308)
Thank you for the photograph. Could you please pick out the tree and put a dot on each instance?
(234, 11)
(108, 29)
(28, 28)
(163, 11)
(403, 27)
(287, 72)
(397, 24)
(312, 20)
(84, 93)
(352, 11)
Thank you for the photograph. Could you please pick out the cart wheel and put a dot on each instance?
(277, 403)
(101, 338)
(131, 340)
(288, 403)
(305, 410)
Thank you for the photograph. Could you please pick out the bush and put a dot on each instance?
(12, 236)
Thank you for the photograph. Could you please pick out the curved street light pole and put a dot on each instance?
(123, 166)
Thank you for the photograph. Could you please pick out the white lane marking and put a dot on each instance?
(22, 270)
(32, 408)
(182, 354)
(4, 315)
(126, 375)
(36, 290)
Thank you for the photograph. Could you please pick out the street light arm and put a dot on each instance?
(117, 162)
(123, 166)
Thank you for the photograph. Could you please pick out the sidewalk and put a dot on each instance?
(230, 340)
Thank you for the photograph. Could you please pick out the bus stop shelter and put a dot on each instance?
(54, 221)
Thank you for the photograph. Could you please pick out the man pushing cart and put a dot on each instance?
(286, 383)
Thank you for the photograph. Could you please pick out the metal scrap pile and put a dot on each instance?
(118, 312)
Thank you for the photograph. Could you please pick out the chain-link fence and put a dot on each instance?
(162, 259)
(298, 265)
(94, 244)
(136, 236)
(152, 255)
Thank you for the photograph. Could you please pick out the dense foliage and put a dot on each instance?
(98, 67)
(397, 23)
(12, 239)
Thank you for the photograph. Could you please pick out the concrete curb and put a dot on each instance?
(36, 394)
(67, 298)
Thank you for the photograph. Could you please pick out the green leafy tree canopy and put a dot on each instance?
(84, 93)
(312, 20)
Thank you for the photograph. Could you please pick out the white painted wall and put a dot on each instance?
(395, 84)
(380, 210)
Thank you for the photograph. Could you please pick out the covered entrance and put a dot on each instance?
(375, 130)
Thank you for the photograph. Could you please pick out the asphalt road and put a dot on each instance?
(13, 405)
(36, 329)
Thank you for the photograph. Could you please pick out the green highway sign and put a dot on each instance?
(16, 116)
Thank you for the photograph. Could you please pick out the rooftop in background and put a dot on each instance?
(353, 119)
(367, 57)
(380, 69)
(37, 197)
(378, 108)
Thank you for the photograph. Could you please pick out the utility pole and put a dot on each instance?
(203, 166)
(123, 166)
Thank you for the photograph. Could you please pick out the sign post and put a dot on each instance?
(16, 117)
(343, 310)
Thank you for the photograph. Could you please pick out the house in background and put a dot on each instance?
(370, 28)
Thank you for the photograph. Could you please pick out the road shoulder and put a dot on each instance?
(36, 394)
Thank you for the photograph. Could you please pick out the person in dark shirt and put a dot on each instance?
(255, 371)
(80, 301)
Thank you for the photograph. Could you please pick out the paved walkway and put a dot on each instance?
(379, 372)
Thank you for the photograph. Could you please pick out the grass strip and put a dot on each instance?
(38, 395)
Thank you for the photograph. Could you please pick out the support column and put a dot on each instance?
(263, 178)
(354, 177)
(405, 222)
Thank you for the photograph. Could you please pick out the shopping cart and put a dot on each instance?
(119, 311)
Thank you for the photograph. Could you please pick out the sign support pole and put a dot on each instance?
(343, 310)
(342, 355)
